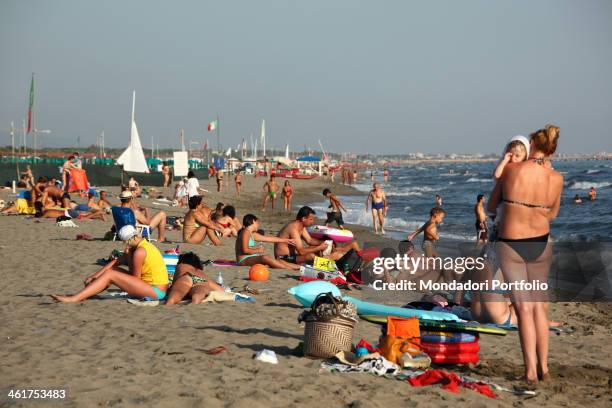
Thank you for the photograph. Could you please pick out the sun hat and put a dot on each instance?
(126, 194)
(519, 138)
(127, 232)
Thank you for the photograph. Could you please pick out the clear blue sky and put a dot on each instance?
(363, 76)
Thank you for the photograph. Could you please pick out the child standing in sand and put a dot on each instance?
(336, 208)
(430, 232)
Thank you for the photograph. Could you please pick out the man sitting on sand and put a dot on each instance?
(146, 276)
(190, 281)
(296, 231)
(144, 216)
(198, 224)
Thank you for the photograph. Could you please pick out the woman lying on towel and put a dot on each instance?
(190, 281)
(146, 278)
(249, 253)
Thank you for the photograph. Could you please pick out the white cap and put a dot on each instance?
(519, 138)
(126, 194)
(126, 232)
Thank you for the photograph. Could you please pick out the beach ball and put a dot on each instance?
(307, 292)
(259, 272)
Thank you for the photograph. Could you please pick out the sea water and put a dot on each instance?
(411, 191)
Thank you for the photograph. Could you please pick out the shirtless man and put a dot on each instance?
(198, 224)
(297, 231)
(144, 217)
(430, 232)
(52, 196)
(386, 175)
(379, 207)
(37, 189)
(271, 188)
(592, 194)
(103, 202)
(482, 232)
(438, 200)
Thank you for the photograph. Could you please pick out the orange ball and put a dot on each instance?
(259, 272)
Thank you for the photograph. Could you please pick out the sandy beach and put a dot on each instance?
(107, 352)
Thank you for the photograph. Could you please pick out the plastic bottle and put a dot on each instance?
(219, 280)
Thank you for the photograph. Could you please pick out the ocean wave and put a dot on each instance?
(593, 171)
(585, 185)
(477, 180)
(412, 191)
(361, 217)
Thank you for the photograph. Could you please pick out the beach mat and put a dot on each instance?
(438, 325)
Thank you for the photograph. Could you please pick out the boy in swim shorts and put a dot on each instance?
(336, 209)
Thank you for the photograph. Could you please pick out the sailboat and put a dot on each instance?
(133, 158)
(263, 136)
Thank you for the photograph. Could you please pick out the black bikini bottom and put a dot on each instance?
(529, 249)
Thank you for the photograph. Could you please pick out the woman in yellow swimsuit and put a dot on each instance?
(146, 278)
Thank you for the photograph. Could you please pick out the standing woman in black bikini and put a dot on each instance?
(530, 193)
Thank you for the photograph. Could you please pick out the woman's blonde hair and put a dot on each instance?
(545, 140)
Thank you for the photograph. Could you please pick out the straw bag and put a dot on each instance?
(329, 327)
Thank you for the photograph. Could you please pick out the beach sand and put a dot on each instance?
(107, 352)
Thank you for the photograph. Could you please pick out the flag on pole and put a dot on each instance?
(213, 125)
(31, 107)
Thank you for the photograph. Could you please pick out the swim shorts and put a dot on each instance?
(335, 216)
(288, 258)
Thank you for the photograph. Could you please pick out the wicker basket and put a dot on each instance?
(324, 339)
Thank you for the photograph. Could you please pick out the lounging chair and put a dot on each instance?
(123, 216)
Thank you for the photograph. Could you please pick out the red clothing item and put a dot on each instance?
(450, 382)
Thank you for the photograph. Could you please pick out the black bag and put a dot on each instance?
(350, 262)
(62, 218)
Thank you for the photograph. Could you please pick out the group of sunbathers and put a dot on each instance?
(45, 199)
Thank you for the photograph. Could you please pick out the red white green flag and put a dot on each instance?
(213, 125)
(31, 107)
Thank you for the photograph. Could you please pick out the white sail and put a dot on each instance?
(263, 136)
(133, 158)
(287, 152)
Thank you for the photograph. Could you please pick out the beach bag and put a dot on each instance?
(402, 338)
(350, 262)
(329, 327)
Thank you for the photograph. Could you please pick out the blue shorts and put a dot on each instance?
(159, 294)
(378, 206)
